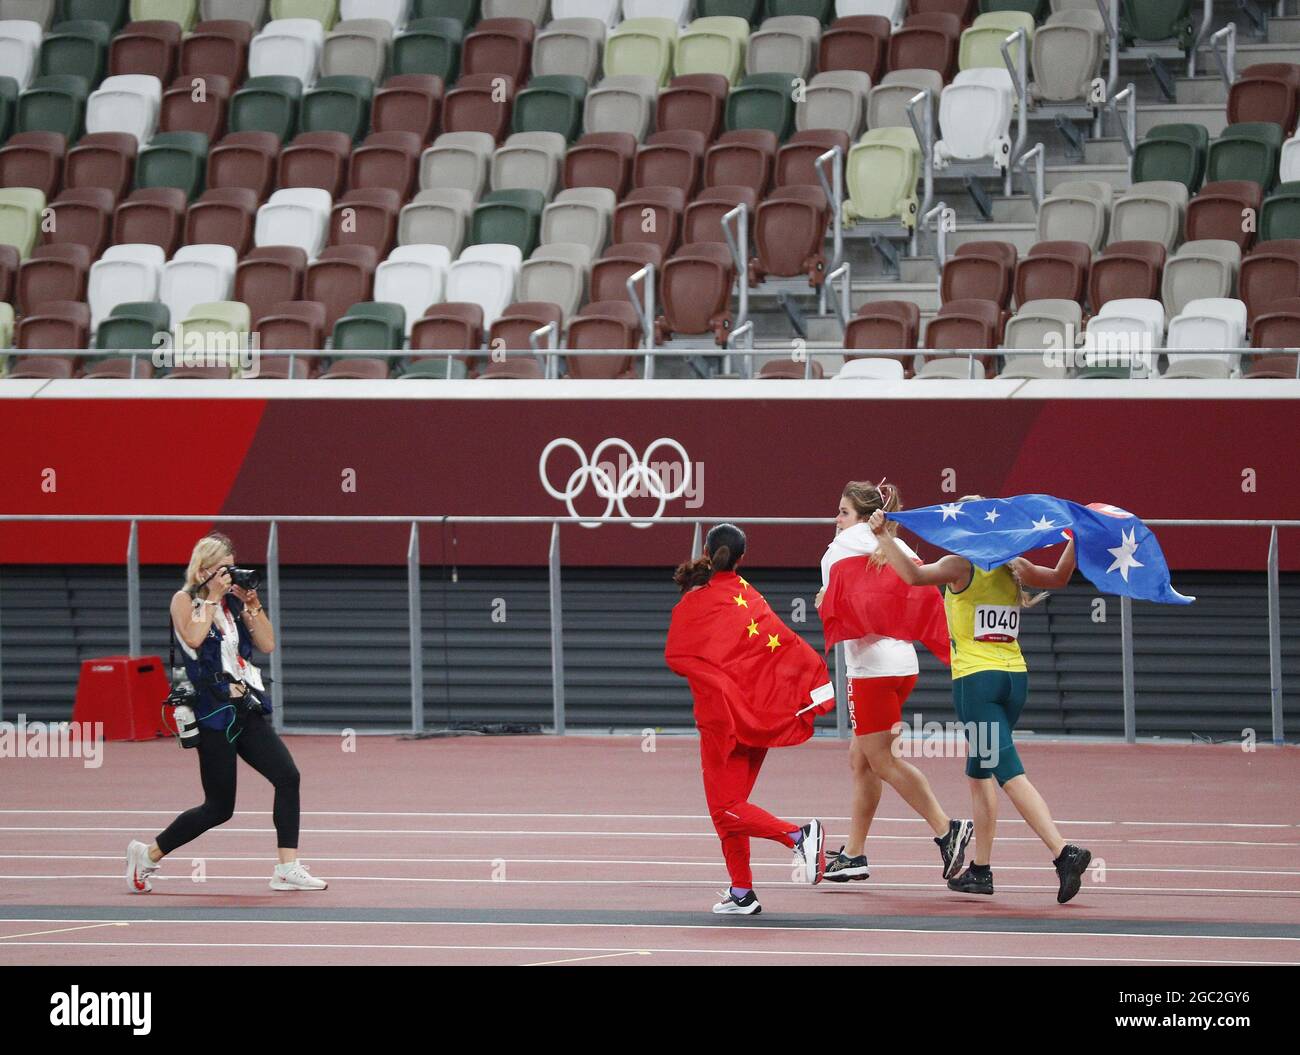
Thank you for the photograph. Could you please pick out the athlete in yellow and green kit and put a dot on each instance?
(990, 683)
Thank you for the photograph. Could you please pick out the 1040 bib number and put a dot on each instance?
(997, 622)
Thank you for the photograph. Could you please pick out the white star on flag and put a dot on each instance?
(1123, 554)
(991, 516)
(950, 510)
(1043, 524)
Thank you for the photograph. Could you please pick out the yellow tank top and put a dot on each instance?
(984, 623)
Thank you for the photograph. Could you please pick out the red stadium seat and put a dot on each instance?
(695, 290)
(790, 234)
(366, 216)
(270, 275)
(315, 159)
(452, 326)
(1126, 270)
(59, 324)
(617, 264)
(651, 214)
(153, 215)
(53, 273)
(341, 276)
(743, 157)
(1267, 91)
(858, 42)
(291, 326)
(964, 324)
(408, 102)
(182, 112)
(693, 102)
(670, 159)
(1277, 327)
(479, 103)
(82, 216)
(33, 159)
(703, 219)
(223, 216)
(149, 48)
(499, 47)
(926, 42)
(599, 325)
(102, 159)
(387, 159)
(601, 159)
(963, 10)
(1219, 209)
(980, 271)
(796, 162)
(790, 370)
(218, 47)
(1054, 271)
(514, 325)
(883, 326)
(245, 159)
(1269, 275)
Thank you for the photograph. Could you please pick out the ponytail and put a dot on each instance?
(723, 547)
(693, 573)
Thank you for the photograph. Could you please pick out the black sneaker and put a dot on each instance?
(969, 882)
(730, 905)
(952, 847)
(841, 868)
(1070, 867)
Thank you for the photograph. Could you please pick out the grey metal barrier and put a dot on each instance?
(414, 610)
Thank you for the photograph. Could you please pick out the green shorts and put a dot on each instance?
(989, 703)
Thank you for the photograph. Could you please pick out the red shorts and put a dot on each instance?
(876, 704)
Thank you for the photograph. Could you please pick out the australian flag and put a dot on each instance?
(1114, 549)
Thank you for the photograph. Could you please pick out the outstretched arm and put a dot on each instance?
(949, 568)
(1031, 574)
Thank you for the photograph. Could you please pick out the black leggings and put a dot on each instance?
(261, 748)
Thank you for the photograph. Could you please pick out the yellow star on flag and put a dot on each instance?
(753, 628)
(773, 642)
(743, 581)
(740, 600)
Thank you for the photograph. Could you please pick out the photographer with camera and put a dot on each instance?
(217, 620)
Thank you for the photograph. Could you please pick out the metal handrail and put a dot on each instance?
(1110, 21)
(551, 333)
(833, 188)
(1128, 124)
(1207, 17)
(941, 233)
(645, 310)
(738, 243)
(746, 330)
(1019, 71)
(924, 132)
(843, 295)
(1037, 153)
(1228, 67)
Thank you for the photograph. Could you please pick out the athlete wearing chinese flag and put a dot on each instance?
(756, 685)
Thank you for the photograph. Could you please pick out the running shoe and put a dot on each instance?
(841, 868)
(971, 883)
(294, 876)
(810, 854)
(952, 847)
(138, 867)
(1070, 867)
(730, 905)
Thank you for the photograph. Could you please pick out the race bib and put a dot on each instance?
(997, 622)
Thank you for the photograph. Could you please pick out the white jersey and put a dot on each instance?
(872, 656)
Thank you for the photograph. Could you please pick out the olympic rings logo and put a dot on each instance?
(638, 477)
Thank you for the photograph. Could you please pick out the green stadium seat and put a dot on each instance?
(79, 48)
(713, 45)
(174, 159)
(54, 104)
(338, 104)
(1156, 20)
(266, 104)
(512, 217)
(882, 171)
(183, 12)
(20, 218)
(763, 100)
(113, 13)
(981, 44)
(642, 47)
(1035, 9)
(435, 370)
(1280, 215)
(551, 103)
(429, 46)
(1172, 152)
(133, 325)
(370, 326)
(326, 12)
(822, 10)
(1246, 151)
(8, 103)
(750, 10)
(466, 12)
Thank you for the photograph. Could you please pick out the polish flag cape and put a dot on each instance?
(750, 674)
(863, 598)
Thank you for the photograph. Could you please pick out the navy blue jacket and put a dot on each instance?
(213, 695)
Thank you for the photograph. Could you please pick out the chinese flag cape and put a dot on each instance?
(867, 598)
(748, 671)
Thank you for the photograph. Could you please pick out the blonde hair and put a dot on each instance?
(866, 497)
(207, 551)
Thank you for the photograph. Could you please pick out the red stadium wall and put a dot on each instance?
(760, 457)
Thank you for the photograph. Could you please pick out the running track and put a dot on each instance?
(591, 851)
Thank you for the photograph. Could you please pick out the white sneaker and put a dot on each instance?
(138, 867)
(810, 854)
(295, 876)
(730, 905)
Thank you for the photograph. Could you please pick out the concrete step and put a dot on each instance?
(1115, 175)
(1201, 89)
(1284, 30)
(1108, 151)
(1248, 54)
(1021, 234)
(1212, 115)
(925, 295)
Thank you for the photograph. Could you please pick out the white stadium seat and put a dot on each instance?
(622, 103)
(608, 11)
(20, 42)
(579, 215)
(437, 216)
(197, 274)
(556, 274)
(457, 159)
(123, 275)
(394, 12)
(294, 216)
(528, 161)
(1124, 326)
(894, 10)
(870, 370)
(485, 275)
(678, 11)
(413, 276)
(288, 47)
(570, 46)
(126, 103)
(975, 117)
(1202, 327)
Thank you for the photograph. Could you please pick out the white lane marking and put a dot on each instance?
(584, 959)
(61, 930)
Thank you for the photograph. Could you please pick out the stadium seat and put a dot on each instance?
(751, 11)
(601, 159)
(676, 12)
(53, 104)
(326, 12)
(77, 48)
(154, 215)
(881, 326)
(1054, 271)
(796, 161)
(220, 326)
(413, 276)
(1155, 20)
(607, 11)
(245, 159)
(35, 160)
(197, 274)
(183, 12)
(512, 328)
(8, 104)
(315, 159)
(341, 276)
(437, 216)
(695, 292)
(266, 104)
(694, 102)
(1066, 56)
(533, 10)
(1279, 217)
(295, 325)
(81, 216)
(251, 11)
(1130, 270)
(962, 325)
(609, 274)
(458, 159)
(485, 275)
(448, 327)
(1200, 269)
(979, 271)
(713, 44)
(1172, 152)
(821, 10)
(528, 160)
(550, 104)
(975, 118)
(742, 157)
(287, 47)
(1221, 209)
(703, 219)
(297, 216)
(570, 46)
(125, 103)
(20, 45)
(650, 214)
(51, 273)
(925, 42)
(1150, 212)
(642, 46)
(623, 104)
(1289, 165)
(429, 46)
(9, 263)
(499, 47)
(387, 159)
(855, 42)
(882, 171)
(790, 234)
(1279, 327)
(762, 101)
(556, 274)
(509, 217)
(603, 324)
(1041, 325)
(132, 326)
(216, 48)
(146, 49)
(338, 103)
(981, 44)
(103, 159)
(408, 102)
(1266, 92)
(670, 159)
(1201, 328)
(61, 324)
(368, 325)
(20, 218)
(1271, 272)
(366, 216)
(479, 103)
(1076, 211)
(184, 110)
(835, 99)
(786, 44)
(1247, 151)
(174, 159)
(394, 12)
(1035, 9)
(358, 47)
(581, 216)
(268, 275)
